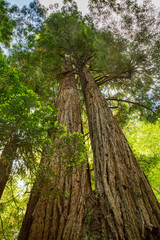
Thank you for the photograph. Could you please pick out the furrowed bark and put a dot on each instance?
(128, 205)
(6, 160)
(61, 218)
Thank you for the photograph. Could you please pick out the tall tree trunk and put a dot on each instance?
(61, 218)
(129, 207)
(6, 160)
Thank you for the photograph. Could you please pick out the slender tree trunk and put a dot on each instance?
(48, 219)
(6, 160)
(129, 207)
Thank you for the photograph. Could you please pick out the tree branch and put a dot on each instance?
(128, 101)
(103, 79)
(156, 190)
(86, 134)
(3, 228)
(107, 79)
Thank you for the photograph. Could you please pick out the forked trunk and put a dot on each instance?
(129, 207)
(6, 160)
(48, 219)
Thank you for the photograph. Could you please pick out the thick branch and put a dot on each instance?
(124, 74)
(107, 79)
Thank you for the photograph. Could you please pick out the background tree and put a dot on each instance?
(20, 107)
(24, 120)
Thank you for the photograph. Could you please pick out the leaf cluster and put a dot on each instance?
(69, 150)
(22, 114)
(7, 24)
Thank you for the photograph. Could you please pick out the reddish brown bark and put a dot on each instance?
(6, 160)
(62, 218)
(129, 208)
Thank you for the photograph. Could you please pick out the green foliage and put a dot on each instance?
(20, 23)
(28, 22)
(110, 53)
(132, 72)
(121, 113)
(144, 139)
(12, 208)
(69, 150)
(22, 114)
(66, 33)
(6, 23)
(121, 61)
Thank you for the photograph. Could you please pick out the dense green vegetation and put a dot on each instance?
(144, 141)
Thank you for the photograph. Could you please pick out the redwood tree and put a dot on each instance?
(130, 209)
(127, 205)
(16, 99)
(60, 218)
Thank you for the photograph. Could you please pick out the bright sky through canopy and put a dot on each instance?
(82, 4)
